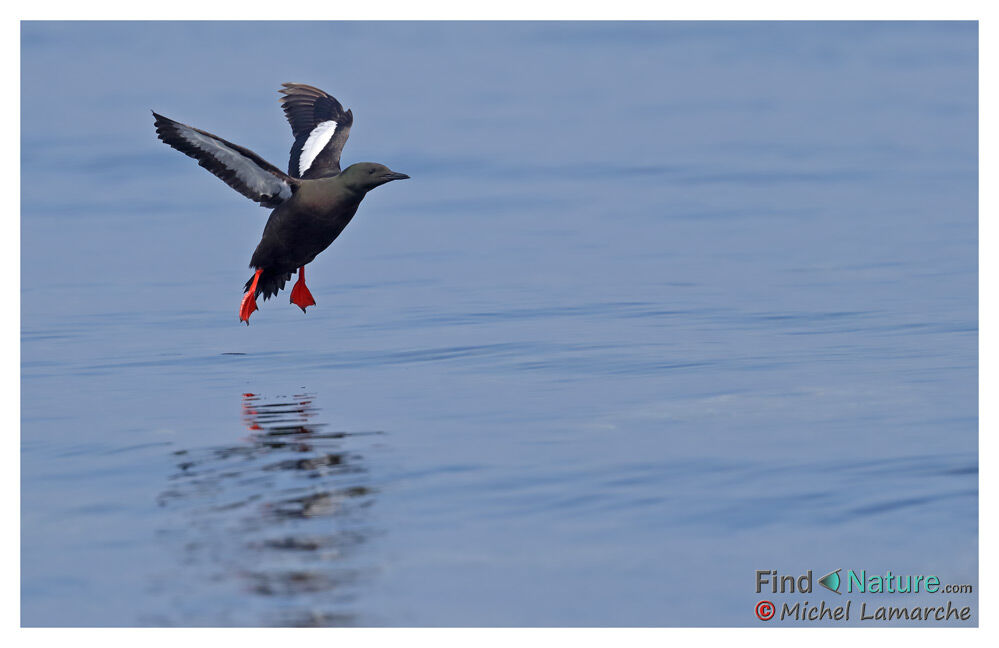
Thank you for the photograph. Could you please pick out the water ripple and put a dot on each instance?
(280, 515)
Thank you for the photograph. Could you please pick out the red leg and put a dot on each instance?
(300, 295)
(249, 303)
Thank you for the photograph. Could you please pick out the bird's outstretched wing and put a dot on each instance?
(240, 168)
(320, 125)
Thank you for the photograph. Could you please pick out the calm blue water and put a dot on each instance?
(663, 305)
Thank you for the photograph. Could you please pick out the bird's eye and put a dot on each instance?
(371, 171)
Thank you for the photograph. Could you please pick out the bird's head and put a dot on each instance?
(365, 176)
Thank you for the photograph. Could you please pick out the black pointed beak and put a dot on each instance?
(395, 176)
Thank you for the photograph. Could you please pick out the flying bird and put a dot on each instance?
(312, 203)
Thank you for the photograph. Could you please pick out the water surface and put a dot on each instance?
(663, 304)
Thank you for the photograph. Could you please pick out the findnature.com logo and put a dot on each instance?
(859, 582)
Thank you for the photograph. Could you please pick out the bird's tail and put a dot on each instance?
(270, 283)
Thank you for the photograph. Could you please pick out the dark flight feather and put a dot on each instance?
(311, 113)
(238, 167)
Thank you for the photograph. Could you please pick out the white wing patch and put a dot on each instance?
(316, 142)
(257, 179)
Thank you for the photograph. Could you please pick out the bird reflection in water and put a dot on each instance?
(280, 514)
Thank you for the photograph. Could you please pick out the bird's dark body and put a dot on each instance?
(299, 229)
(312, 203)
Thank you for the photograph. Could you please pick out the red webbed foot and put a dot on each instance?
(249, 303)
(300, 295)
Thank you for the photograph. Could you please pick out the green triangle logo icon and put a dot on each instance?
(831, 581)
